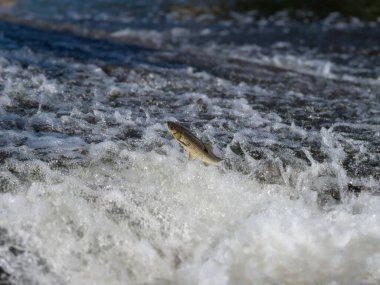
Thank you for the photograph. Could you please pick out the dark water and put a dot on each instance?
(94, 190)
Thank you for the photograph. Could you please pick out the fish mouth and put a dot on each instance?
(171, 126)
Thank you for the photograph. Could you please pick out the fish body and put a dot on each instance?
(194, 146)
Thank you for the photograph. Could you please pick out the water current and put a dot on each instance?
(95, 190)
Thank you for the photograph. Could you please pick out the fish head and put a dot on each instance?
(175, 129)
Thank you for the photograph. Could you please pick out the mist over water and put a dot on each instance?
(94, 189)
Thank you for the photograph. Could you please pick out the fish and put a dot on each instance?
(194, 146)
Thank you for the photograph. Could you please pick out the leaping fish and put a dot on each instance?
(194, 146)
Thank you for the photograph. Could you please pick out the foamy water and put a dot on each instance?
(94, 189)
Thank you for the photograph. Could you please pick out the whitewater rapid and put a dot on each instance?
(145, 217)
(95, 190)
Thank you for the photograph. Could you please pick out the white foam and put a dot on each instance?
(146, 36)
(135, 220)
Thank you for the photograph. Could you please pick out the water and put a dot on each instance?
(94, 189)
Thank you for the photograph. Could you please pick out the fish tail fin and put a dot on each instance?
(208, 148)
(209, 151)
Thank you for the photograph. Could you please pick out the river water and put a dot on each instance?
(94, 189)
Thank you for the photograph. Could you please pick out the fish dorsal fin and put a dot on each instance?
(191, 156)
(208, 148)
